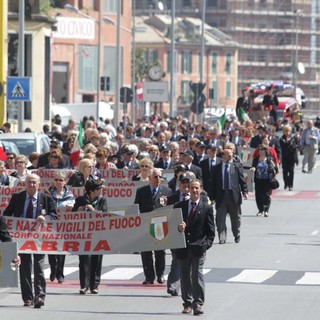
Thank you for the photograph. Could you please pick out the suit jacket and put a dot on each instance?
(16, 205)
(145, 200)
(200, 233)
(4, 233)
(237, 181)
(175, 197)
(133, 165)
(44, 160)
(196, 161)
(196, 170)
(255, 141)
(207, 176)
(160, 164)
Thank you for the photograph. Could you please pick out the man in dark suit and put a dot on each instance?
(149, 198)
(229, 183)
(200, 153)
(199, 230)
(127, 163)
(187, 158)
(207, 168)
(32, 204)
(165, 161)
(257, 139)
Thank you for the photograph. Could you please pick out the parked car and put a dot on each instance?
(28, 142)
(10, 147)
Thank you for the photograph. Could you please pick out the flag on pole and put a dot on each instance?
(75, 151)
(221, 122)
(243, 116)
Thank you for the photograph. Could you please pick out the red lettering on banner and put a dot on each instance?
(97, 225)
(87, 246)
(24, 225)
(49, 246)
(46, 227)
(70, 246)
(102, 245)
(123, 223)
(119, 193)
(29, 245)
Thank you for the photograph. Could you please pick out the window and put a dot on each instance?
(212, 3)
(214, 85)
(228, 89)
(228, 63)
(186, 92)
(186, 62)
(214, 62)
(110, 6)
(88, 68)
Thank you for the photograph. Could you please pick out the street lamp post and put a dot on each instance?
(118, 68)
(21, 61)
(172, 71)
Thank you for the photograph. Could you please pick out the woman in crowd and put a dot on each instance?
(21, 168)
(55, 160)
(90, 265)
(102, 159)
(173, 184)
(10, 163)
(154, 153)
(272, 151)
(79, 178)
(289, 146)
(264, 170)
(63, 198)
(145, 166)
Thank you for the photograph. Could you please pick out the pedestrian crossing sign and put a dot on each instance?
(19, 88)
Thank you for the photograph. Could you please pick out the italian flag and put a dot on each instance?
(221, 122)
(243, 116)
(75, 152)
(3, 155)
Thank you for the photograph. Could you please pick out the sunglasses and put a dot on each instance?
(143, 166)
(54, 157)
(54, 147)
(10, 158)
(58, 180)
(157, 177)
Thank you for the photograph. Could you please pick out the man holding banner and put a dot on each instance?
(149, 198)
(32, 204)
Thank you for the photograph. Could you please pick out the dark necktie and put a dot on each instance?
(226, 177)
(29, 214)
(166, 165)
(184, 196)
(191, 213)
(212, 163)
(154, 191)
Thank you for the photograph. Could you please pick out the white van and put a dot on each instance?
(77, 111)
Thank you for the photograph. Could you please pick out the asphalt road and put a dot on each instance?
(273, 273)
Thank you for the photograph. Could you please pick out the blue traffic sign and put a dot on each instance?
(19, 88)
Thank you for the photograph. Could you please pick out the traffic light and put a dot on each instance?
(199, 98)
(126, 95)
(105, 83)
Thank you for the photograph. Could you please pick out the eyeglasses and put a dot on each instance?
(157, 177)
(20, 162)
(143, 166)
(54, 147)
(54, 157)
(58, 180)
(10, 158)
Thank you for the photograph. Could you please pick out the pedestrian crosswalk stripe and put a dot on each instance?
(121, 274)
(66, 271)
(253, 276)
(310, 278)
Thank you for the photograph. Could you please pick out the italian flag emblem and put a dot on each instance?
(159, 227)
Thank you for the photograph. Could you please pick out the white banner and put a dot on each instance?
(144, 232)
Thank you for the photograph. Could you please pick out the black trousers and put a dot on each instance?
(56, 262)
(39, 282)
(90, 271)
(288, 172)
(159, 264)
(263, 198)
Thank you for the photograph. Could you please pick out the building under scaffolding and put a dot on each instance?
(278, 39)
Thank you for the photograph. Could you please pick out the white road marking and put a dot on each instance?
(310, 278)
(66, 271)
(253, 276)
(315, 232)
(121, 274)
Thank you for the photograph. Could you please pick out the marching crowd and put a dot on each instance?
(209, 173)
